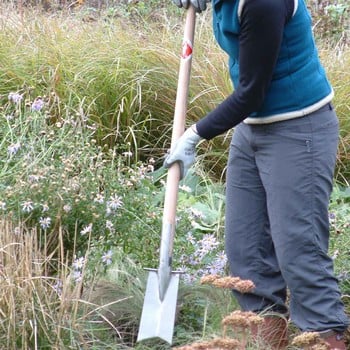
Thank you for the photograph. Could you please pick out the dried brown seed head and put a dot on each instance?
(243, 286)
(215, 344)
(307, 339)
(242, 319)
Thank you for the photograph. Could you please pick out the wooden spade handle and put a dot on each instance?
(173, 177)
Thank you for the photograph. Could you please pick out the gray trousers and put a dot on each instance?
(279, 180)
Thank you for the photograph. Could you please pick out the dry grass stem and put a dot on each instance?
(243, 286)
(215, 344)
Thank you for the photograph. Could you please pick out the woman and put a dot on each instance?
(280, 168)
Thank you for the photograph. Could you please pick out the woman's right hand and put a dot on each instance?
(184, 151)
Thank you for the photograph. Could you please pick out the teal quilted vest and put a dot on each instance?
(299, 84)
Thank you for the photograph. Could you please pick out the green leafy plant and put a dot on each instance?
(340, 230)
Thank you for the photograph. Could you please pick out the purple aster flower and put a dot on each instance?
(13, 148)
(107, 257)
(15, 97)
(37, 105)
(45, 222)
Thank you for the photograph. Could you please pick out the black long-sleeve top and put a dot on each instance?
(262, 25)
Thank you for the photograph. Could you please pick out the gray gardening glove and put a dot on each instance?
(184, 151)
(199, 5)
